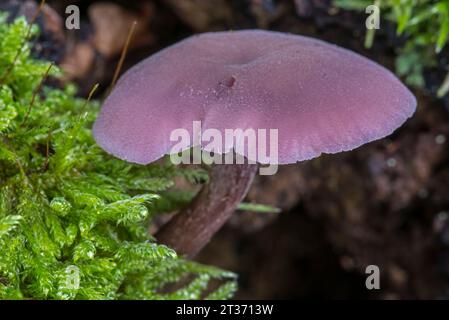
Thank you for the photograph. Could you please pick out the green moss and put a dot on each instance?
(74, 220)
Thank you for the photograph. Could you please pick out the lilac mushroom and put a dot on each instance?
(320, 97)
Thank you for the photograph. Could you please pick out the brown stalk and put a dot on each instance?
(89, 97)
(83, 108)
(192, 228)
(47, 152)
(36, 91)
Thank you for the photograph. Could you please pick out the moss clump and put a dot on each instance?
(73, 220)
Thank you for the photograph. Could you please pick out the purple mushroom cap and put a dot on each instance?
(320, 97)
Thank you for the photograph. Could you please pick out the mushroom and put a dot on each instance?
(321, 98)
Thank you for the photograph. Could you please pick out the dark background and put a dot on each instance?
(386, 203)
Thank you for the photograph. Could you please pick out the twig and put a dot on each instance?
(47, 152)
(122, 57)
(36, 91)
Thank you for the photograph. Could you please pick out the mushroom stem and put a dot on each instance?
(191, 229)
